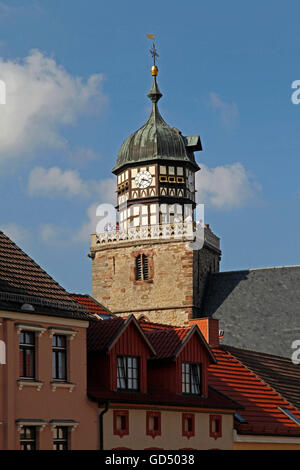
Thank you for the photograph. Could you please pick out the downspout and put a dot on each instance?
(101, 414)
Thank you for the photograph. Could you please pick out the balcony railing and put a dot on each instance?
(178, 231)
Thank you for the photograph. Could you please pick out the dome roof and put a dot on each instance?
(156, 140)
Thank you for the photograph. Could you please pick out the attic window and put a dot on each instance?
(141, 268)
(191, 378)
(127, 373)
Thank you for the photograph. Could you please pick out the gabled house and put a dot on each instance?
(269, 395)
(43, 400)
(150, 383)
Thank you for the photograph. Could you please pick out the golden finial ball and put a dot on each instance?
(154, 71)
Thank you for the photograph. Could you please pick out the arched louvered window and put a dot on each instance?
(141, 268)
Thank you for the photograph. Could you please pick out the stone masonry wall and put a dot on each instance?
(170, 284)
(174, 291)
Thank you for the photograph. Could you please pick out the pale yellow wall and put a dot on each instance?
(171, 436)
(265, 446)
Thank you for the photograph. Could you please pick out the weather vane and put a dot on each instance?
(153, 51)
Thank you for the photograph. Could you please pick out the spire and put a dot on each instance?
(154, 93)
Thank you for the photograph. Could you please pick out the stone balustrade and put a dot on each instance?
(177, 231)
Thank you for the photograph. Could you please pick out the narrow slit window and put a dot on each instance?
(141, 268)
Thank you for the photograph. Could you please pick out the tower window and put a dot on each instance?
(141, 268)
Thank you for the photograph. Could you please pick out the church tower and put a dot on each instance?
(148, 264)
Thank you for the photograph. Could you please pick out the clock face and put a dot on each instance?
(143, 179)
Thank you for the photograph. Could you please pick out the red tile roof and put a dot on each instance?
(279, 372)
(166, 341)
(91, 304)
(101, 333)
(150, 326)
(260, 401)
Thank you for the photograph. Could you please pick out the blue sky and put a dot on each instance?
(77, 75)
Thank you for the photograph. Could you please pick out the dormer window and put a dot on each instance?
(191, 378)
(141, 268)
(128, 373)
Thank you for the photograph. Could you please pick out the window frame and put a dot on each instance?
(185, 432)
(153, 432)
(124, 430)
(65, 440)
(125, 376)
(25, 441)
(142, 267)
(191, 382)
(57, 351)
(23, 349)
(212, 432)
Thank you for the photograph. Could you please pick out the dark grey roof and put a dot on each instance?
(259, 309)
(156, 140)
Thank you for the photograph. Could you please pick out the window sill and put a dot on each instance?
(30, 383)
(57, 384)
(143, 281)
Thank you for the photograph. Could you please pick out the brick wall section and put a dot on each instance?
(175, 287)
(209, 327)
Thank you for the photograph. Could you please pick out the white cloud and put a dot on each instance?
(41, 97)
(80, 155)
(225, 186)
(54, 181)
(51, 234)
(16, 233)
(107, 203)
(57, 182)
(229, 111)
(88, 227)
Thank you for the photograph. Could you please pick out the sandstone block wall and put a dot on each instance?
(174, 291)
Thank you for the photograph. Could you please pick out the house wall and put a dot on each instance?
(28, 402)
(163, 374)
(171, 431)
(265, 446)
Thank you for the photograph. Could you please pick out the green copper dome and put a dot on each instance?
(155, 140)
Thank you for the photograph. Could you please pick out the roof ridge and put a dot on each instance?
(256, 269)
(19, 249)
(228, 347)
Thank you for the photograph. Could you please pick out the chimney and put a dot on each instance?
(209, 327)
